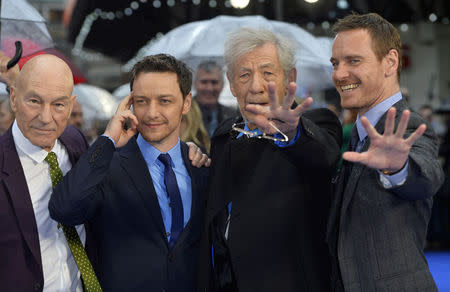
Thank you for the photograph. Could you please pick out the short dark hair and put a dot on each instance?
(210, 66)
(385, 36)
(164, 63)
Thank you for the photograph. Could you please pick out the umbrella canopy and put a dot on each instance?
(97, 103)
(200, 40)
(21, 21)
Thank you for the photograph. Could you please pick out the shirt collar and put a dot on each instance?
(36, 153)
(151, 154)
(256, 131)
(375, 113)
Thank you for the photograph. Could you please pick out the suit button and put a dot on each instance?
(170, 257)
(37, 287)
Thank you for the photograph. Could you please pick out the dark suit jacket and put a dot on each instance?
(223, 113)
(20, 254)
(115, 191)
(280, 199)
(378, 234)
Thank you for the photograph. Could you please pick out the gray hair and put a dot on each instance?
(210, 66)
(245, 40)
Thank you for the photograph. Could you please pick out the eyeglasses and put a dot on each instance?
(238, 127)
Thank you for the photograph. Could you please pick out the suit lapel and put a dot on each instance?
(357, 169)
(196, 203)
(134, 164)
(17, 189)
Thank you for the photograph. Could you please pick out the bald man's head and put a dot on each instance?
(42, 99)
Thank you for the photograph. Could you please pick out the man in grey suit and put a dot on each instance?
(378, 220)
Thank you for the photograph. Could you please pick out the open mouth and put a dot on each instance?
(349, 87)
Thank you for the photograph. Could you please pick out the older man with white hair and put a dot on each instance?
(270, 186)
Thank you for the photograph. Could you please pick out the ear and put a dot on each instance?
(187, 104)
(12, 98)
(391, 60)
(292, 75)
(231, 85)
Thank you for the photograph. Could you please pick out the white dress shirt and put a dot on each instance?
(60, 270)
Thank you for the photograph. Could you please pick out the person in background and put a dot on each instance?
(192, 128)
(384, 193)
(76, 116)
(208, 85)
(6, 115)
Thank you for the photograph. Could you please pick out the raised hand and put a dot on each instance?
(115, 128)
(7, 76)
(282, 116)
(388, 151)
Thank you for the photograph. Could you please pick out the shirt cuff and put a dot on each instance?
(395, 180)
(288, 143)
(110, 139)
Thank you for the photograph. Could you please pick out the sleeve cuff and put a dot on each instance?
(395, 180)
(114, 143)
(290, 142)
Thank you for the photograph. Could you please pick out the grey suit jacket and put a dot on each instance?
(377, 235)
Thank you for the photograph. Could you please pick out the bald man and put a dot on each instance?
(34, 252)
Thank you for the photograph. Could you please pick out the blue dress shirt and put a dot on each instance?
(277, 135)
(374, 115)
(156, 169)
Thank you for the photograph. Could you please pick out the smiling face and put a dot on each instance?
(360, 77)
(42, 100)
(158, 105)
(250, 76)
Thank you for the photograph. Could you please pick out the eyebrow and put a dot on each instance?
(159, 96)
(35, 94)
(262, 66)
(348, 57)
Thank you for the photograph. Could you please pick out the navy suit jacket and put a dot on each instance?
(20, 254)
(114, 189)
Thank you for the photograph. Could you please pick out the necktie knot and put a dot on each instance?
(165, 159)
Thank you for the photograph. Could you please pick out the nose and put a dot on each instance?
(257, 84)
(46, 115)
(340, 72)
(152, 110)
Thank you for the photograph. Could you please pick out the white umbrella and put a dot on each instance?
(20, 21)
(97, 103)
(200, 40)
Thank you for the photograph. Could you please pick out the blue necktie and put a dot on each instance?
(175, 199)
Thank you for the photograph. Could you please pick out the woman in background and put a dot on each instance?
(192, 128)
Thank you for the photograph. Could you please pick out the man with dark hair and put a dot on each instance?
(140, 191)
(379, 216)
(208, 85)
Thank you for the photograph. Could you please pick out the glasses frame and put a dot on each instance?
(249, 134)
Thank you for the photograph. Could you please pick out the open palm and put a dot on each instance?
(388, 151)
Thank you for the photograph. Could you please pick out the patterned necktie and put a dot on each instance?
(175, 199)
(79, 254)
